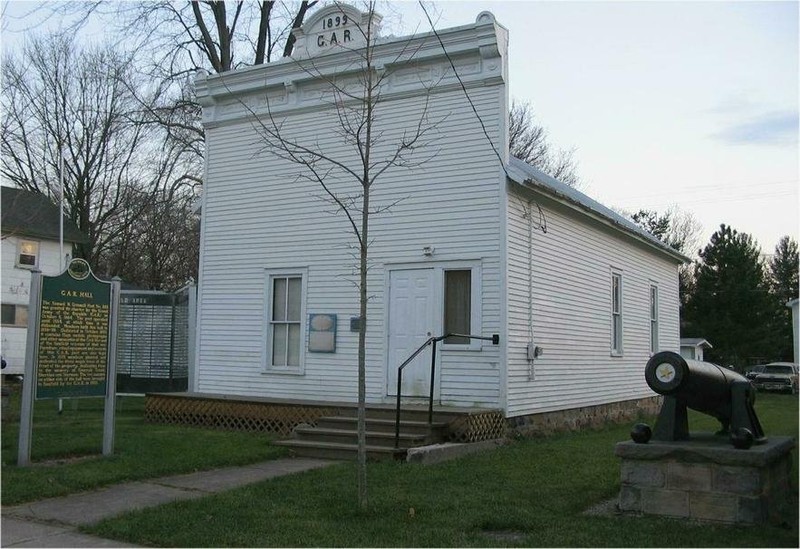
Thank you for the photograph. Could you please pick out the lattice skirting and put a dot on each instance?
(235, 415)
(477, 426)
(282, 417)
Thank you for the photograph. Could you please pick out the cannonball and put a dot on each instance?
(641, 433)
(742, 438)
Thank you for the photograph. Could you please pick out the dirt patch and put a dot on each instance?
(606, 508)
(505, 536)
(64, 461)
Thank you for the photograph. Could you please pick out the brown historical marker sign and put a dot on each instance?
(74, 325)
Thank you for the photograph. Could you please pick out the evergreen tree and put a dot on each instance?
(784, 270)
(784, 282)
(731, 305)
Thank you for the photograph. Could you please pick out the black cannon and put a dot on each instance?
(704, 387)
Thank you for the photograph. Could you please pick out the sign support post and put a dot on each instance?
(111, 386)
(29, 380)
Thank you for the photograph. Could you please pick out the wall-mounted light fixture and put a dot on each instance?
(428, 251)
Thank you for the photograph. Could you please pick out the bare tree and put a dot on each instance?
(119, 169)
(158, 249)
(676, 228)
(679, 230)
(180, 38)
(347, 181)
(528, 142)
(57, 100)
(184, 36)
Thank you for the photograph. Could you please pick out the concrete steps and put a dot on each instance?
(336, 437)
(344, 452)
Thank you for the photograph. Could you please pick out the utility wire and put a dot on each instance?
(464, 88)
(543, 222)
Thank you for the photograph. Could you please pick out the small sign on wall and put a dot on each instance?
(322, 333)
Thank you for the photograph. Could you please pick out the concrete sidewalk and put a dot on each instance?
(52, 522)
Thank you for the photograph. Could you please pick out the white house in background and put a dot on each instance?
(793, 305)
(692, 348)
(475, 242)
(30, 240)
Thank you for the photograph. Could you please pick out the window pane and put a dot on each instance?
(617, 333)
(294, 345)
(295, 290)
(8, 315)
(279, 299)
(615, 293)
(21, 316)
(457, 305)
(279, 345)
(653, 303)
(653, 337)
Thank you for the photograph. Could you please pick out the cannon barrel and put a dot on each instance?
(702, 386)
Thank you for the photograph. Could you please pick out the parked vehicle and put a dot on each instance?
(778, 376)
(754, 371)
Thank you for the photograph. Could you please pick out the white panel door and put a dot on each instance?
(411, 322)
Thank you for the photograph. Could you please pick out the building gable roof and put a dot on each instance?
(526, 175)
(695, 342)
(32, 214)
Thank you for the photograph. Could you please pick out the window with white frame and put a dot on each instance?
(285, 330)
(27, 254)
(14, 315)
(461, 306)
(457, 305)
(616, 314)
(653, 318)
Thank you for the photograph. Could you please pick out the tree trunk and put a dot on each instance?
(362, 362)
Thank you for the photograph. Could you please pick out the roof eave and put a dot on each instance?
(535, 185)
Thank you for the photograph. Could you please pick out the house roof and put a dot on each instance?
(526, 175)
(32, 214)
(695, 342)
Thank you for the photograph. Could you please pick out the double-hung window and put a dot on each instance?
(15, 315)
(653, 319)
(616, 314)
(285, 327)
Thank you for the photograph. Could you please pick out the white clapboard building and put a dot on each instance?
(469, 240)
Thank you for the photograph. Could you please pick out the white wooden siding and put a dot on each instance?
(572, 265)
(257, 216)
(16, 290)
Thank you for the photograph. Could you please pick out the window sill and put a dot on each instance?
(283, 371)
(452, 347)
(617, 354)
(26, 267)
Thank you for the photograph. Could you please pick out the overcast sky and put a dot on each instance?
(675, 103)
(693, 104)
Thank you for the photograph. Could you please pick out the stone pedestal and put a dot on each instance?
(706, 478)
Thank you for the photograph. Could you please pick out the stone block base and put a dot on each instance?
(575, 419)
(707, 479)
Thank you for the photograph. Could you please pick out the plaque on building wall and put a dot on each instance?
(322, 333)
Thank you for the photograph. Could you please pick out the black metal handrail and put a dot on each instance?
(495, 339)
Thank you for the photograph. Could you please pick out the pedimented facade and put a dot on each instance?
(464, 238)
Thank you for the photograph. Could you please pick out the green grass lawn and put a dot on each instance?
(141, 450)
(530, 493)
